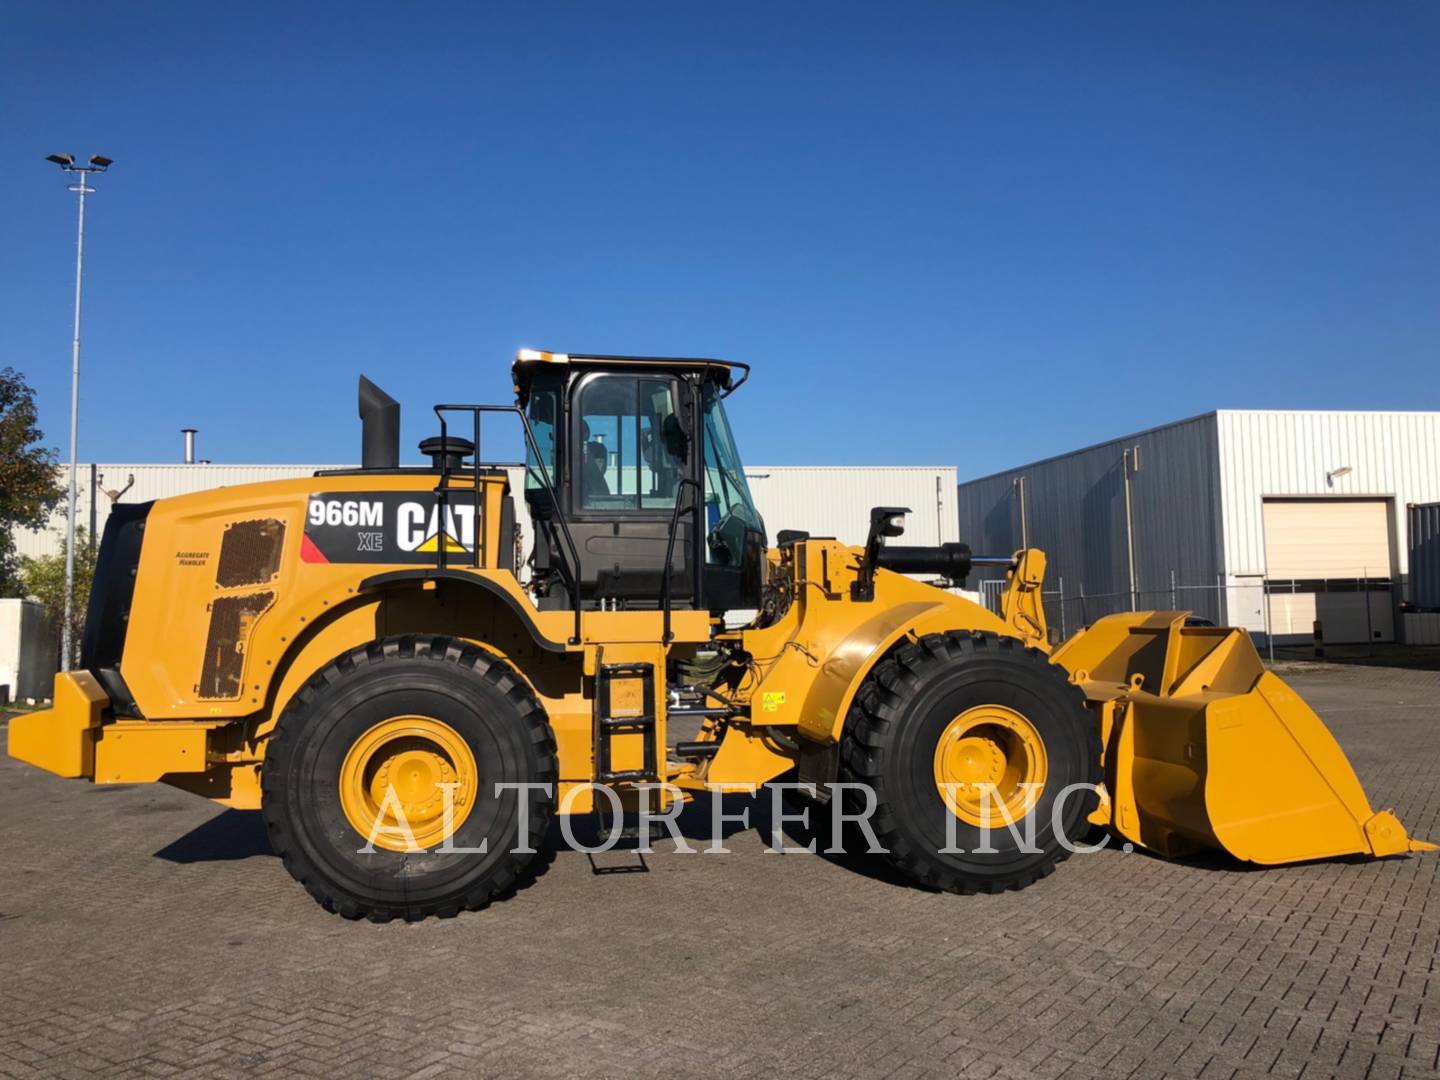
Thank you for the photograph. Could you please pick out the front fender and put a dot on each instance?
(849, 663)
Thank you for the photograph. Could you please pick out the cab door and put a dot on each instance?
(630, 446)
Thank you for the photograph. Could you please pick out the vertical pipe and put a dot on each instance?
(189, 434)
(1269, 629)
(1129, 527)
(1063, 634)
(442, 496)
(1024, 515)
(477, 534)
(94, 485)
(1173, 604)
(1295, 589)
(65, 643)
(1369, 623)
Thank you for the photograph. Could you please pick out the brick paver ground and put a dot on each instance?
(143, 932)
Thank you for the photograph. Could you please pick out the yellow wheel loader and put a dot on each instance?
(364, 656)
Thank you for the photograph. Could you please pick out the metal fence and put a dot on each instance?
(1285, 614)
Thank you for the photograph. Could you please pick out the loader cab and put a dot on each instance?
(635, 448)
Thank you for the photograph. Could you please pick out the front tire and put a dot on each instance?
(380, 736)
(938, 719)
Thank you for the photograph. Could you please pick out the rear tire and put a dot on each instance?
(895, 738)
(487, 728)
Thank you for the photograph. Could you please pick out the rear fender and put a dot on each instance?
(401, 604)
(235, 750)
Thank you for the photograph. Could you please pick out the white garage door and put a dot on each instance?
(1326, 549)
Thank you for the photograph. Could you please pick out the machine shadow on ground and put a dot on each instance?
(228, 836)
(232, 835)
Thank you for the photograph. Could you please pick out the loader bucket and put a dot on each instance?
(1204, 748)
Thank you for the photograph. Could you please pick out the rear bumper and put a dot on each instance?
(68, 740)
(61, 739)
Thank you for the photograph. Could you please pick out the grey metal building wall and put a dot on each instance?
(1075, 505)
(1423, 529)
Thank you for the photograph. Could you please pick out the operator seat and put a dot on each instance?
(595, 484)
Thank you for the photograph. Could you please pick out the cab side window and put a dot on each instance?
(541, 411)
(629, 443)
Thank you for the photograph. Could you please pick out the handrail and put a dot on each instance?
(572, 568)
(670, 555)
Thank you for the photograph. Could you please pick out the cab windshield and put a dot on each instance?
(729, 507)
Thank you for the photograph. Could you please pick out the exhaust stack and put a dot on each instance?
(379, 427)
(189, 434)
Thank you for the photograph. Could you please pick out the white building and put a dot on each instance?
(27, 652)
(1269, 520)
(822, 500)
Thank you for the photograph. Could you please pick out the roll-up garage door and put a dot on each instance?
(1329, 560)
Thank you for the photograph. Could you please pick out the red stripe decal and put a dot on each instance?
(309, 552)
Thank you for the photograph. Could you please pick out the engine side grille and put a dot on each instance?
(250, 553)
(231, 618)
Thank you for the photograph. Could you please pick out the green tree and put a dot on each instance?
(29, 484)
(43, 580)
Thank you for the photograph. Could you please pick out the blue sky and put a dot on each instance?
(969, 233)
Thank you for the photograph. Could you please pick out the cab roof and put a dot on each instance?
(728, 374)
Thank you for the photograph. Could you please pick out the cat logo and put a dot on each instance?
(419, 529)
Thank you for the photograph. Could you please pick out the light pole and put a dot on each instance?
(98, 164)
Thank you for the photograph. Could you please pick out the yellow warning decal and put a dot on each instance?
(772, 700)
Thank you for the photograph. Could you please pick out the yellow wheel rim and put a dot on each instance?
(398, 770)
(984, 746)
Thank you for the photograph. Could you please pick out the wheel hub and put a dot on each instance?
(990, 765)
(395, 778)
